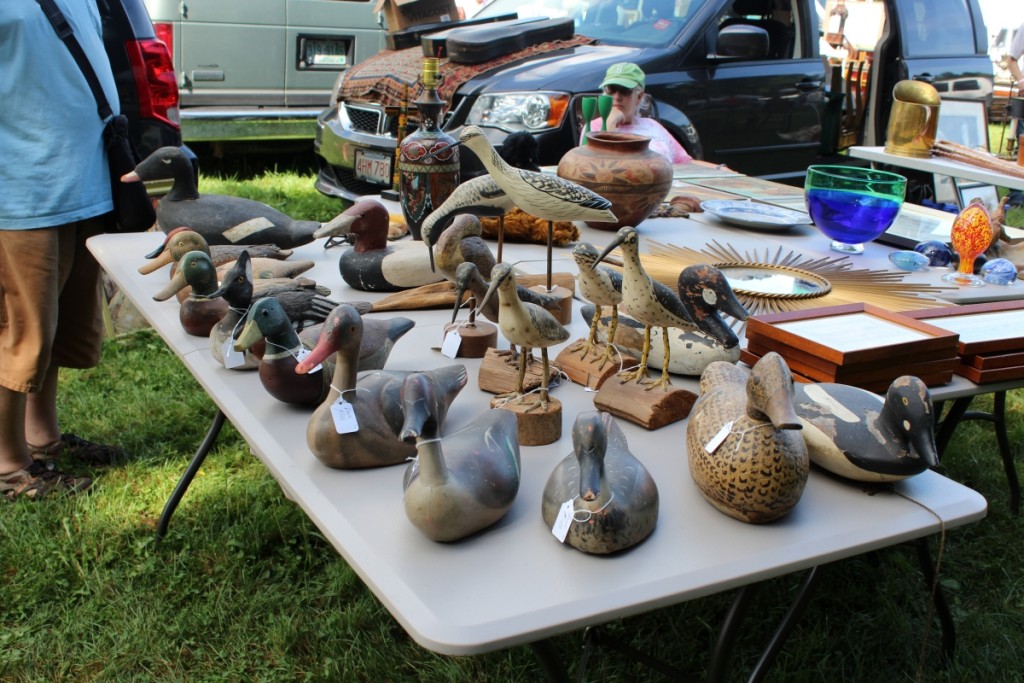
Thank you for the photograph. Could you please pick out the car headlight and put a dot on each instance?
(515, 111)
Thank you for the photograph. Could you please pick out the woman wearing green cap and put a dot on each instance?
(624, 82)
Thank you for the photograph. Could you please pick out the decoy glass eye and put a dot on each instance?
(906, 401)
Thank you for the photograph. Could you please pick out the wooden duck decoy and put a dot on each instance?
(374, 399)
(856, 434)
(183, 240)
(746, 453)
(220, 219)
(372, 264)
(304, 306)
(602, 287)
(526, 325)
(706, 292)
(267, 320)
(614, 498)
(198, 313)
(461, 242)
(461, 483)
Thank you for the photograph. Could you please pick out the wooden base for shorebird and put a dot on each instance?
(477, 338)
(588, 371)
(563, 312)
(499, 374)
(650, 409)
(536, 426)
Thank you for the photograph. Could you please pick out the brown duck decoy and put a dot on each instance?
(372, 264)
(461, 483)
(219, 253)
(372, 398)
(614, 498)
(746, 453)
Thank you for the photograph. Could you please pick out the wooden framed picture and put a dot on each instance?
(995, 327)
(964, 122)
(987, 194)
(853, 334)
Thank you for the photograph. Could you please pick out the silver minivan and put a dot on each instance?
(261, 69)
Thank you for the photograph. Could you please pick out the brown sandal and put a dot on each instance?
(40, 480)
(95, 454)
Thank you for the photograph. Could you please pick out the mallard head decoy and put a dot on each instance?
(526, 325)
(614, 498)
(859, 435)
(654, 304)
(461, 483)
(372, 264)
(220, 219)
(746, 453)
(461, 242)
(198, 313)
(373, 399)
(602, 287)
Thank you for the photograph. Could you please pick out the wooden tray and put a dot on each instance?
(997, 326)
(879, 386)
(979, 376)
(762, 345)
(852, 334)
(992, 361)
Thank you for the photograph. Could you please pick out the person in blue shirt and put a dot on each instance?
(54, 194)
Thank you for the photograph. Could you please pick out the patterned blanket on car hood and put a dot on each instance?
(386, 77)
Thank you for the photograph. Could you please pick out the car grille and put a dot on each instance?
(373, 119)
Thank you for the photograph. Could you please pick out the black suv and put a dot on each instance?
(740, 82)
(146, 83)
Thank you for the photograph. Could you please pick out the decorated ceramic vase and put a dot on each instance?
(623, 169)
(428, 159)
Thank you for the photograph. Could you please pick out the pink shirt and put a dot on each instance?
(662, 141)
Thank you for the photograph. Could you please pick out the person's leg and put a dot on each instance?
(41, 427)
(13, 451)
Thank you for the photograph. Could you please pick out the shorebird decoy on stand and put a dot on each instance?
(600, 286)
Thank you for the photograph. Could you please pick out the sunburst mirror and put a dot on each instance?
(772, 282)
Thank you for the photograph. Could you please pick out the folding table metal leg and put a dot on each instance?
(924, 558)
(785, 626)
(550, 661)
(189, 475)
(721, 656)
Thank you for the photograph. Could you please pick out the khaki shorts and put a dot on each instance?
(50, 308)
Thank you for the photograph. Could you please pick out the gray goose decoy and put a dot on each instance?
(524, 324)
(602, 287)
(654, 304)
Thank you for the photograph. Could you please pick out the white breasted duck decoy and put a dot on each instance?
(374, 399)
(859, 435)
(183, 239)
(372, 264)
(614, 498)
(220, 219)
(526, 325)
(267, 320)
(745, 449)
(602, 287)
(654, 304)
(543, 195)
(461, 483)
(461, 242)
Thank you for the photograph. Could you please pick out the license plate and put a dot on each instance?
(373, 167)
(323, 53)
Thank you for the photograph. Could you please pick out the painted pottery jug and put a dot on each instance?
(623, 169)
(428, 159)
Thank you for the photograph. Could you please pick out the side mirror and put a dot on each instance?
(742, 41)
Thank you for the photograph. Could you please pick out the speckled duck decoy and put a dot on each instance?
(614, 497)
(267, 320)
(372, 264)
(461, 242)
(220, 219)
(655, 305)
(746, 453)
(374, 399)
(859, 435)
(461, 483)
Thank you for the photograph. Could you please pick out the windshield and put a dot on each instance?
(642, 23)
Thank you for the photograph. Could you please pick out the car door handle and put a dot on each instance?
(809, 84)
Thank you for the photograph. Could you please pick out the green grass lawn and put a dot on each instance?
(245, 588)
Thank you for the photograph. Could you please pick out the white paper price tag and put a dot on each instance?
(718, 438)
(232, 358)
(301, 354)
(451, 343)
(562, 522)
(344, 417)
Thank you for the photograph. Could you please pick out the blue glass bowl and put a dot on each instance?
(853, 205)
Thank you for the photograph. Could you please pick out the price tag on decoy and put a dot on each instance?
(232, 358)
(562, 522)
(300, 355)
(344, 417)
(719, 438)
(451, 343)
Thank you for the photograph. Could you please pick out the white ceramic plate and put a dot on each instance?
(748, 214)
